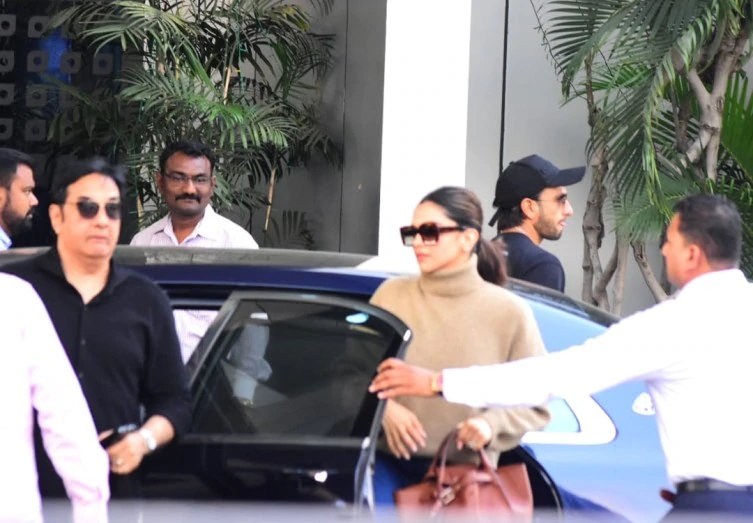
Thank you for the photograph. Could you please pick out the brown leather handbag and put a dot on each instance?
(468, 490)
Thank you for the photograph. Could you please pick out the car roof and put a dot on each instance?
(161, 259)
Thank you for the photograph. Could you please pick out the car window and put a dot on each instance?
(575, 420)
(563, 417)
(285, 367)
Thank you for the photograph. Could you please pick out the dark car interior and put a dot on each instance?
(317, 366)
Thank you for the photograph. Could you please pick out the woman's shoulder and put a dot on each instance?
(393, 287)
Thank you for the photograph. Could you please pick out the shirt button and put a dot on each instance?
(83, 342)
(80, 375)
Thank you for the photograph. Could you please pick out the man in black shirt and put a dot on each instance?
(116, 325)
(532, 206)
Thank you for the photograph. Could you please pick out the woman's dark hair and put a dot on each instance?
(73, 171)
(713, 223)
(463, 207)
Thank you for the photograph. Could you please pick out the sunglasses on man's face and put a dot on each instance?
(89, 209)
(429, 233)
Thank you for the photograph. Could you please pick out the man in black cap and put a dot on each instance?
(532, 205)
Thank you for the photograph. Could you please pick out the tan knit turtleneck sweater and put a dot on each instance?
(458, 320)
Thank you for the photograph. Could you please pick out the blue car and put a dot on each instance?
(281, 412)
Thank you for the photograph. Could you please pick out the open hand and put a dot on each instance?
(403, 430)
(397, 378)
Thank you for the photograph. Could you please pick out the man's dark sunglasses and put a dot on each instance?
(429, 233)
(89, 209)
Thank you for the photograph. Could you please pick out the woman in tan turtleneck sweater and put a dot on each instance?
(460, 316)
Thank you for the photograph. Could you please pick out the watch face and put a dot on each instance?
(151, 443)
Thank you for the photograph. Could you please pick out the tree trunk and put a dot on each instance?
(593, 233)
(618, 290)
(639, 252)
(270, 199)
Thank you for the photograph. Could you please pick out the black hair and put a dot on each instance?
(73, 171)
(509, 218)
(10, 159)
(189, 148)
(713, 223)
(514, 217)
(463, 207)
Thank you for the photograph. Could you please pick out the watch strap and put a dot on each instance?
(149, 439)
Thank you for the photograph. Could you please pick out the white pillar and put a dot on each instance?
(425, 118)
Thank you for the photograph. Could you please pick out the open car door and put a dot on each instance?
(281, 410)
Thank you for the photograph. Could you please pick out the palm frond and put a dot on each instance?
(132, 24)
(737, 130)
(288, 229)
(185, 101)
(643, 217)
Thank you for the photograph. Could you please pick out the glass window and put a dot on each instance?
(292, 368)
(563, 418)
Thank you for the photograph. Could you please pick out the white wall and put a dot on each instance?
(425, 114)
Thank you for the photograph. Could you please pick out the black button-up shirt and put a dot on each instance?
(124, 350)
(122, 344)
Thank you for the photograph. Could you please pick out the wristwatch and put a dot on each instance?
(436, 384)
(149, 441)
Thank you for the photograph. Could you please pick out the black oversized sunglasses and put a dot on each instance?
(429, 232)
(89, 209)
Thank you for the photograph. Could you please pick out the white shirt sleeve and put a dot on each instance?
(68, 431)
(639, 347)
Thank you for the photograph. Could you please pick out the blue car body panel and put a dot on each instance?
(623, 472)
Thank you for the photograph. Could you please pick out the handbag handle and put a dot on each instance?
(441, 457)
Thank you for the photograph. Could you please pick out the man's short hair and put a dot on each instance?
(10, 159)
(189, 148)
(713, 223)
(509, 218)
(73, 171)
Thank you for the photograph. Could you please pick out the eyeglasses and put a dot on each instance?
(89, 209)
(561, 200)
(180, 179)
(429, 233)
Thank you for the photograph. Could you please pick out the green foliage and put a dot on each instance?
(242, 76)
(632, 57)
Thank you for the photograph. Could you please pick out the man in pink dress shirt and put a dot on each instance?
(36, 374)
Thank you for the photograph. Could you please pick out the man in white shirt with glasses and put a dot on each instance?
(187, 182)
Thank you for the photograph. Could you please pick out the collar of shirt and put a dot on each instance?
(711, 282)
(5, 241)
(207, 228)
(50, 263)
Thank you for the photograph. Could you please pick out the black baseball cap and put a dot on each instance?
(527, 177)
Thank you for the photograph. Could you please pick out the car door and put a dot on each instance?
(602, 448)
(281, 410)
